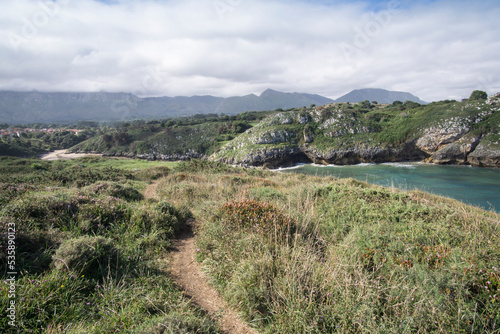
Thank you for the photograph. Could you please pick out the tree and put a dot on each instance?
(107, 138)
(120, 138)
(364, 104)
(398, 104)
(478, 95)
(410, 104)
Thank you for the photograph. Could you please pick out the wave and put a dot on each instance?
(410, 165)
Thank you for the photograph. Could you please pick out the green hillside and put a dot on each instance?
(173, 139)
(291, 253)
(344, 133)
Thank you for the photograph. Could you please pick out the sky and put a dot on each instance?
(435, 49)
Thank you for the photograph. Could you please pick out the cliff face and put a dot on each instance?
(487, 153)
(445, 133)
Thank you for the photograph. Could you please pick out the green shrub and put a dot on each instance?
(478, 95)
(38, 166)
(168, 210)
(98, 215)
(115, 190)
(43, 211)
(89, 255)
(256, 216)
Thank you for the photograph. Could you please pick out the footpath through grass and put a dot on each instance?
(89, 251)
(292, 253)
(300, 254)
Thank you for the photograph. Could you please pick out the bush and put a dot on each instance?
(167, 209)
(38, 166)
(256, 216)
(478, 95)
(88, 255)
(43, 211)
(116, 190)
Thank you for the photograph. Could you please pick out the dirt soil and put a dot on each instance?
(190, 278)
(187, 275)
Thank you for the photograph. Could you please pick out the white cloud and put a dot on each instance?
(436, 50)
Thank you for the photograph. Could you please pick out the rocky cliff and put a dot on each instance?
(447, 132)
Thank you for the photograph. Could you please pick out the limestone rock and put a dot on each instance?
(457, 152)
(485, 156)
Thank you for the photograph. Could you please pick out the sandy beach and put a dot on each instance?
(62, 155)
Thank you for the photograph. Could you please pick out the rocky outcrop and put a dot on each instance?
(485, 156)
(457, 152)
(456, 133)
(364, 154)
(273, 137)
(164, 157)
(270, 158)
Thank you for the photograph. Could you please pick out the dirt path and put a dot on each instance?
(187, 274)
(189, 277)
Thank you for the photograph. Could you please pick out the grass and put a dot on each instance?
(128, 164)
(90, 248)
(359, 257)
(292, 253)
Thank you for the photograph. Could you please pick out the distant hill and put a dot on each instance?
(31, 107)
(378, 95)
(39, 107)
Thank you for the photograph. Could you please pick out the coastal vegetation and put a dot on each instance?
(89, 250)
(291, 253)
(299, 254)
(172, 139)
(343, 133)
(29, 142)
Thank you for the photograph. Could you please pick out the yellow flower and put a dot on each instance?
(62, 286)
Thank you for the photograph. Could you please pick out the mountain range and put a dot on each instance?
(42, 107)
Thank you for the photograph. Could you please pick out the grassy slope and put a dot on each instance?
(202, 135)
(295, 254)
(300, 254)
(117, 284)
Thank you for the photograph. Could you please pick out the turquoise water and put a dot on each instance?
(471, 185)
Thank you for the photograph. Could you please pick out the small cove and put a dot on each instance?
(471, 185)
